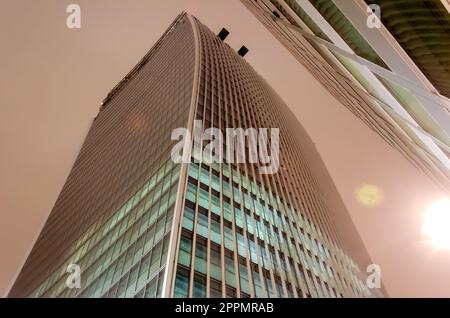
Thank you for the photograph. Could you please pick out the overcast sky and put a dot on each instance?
(53, 80)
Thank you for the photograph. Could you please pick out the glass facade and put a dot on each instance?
(148, 227)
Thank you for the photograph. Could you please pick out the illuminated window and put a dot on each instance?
(199, 288)
(200, 255)
(184, 256)
(215, 263)
(181, 288)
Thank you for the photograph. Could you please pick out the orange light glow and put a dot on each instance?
(437, 224)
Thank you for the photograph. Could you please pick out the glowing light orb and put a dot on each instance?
(437, 224)
(369, 195)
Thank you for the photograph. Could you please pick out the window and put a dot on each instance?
(202, 226)
(231, 292)
(131, 286)
(200, 255)
(204, 175)
(228, 234)
(243, 275)
(199, 288)
(215, 263)
(236, 195)
(204, 198)
(242, 249)
(156, 258)
(249, 222)
(239, 218)
(188, 218)
(153, 213)
(259, 292)
(227, 211)
(289, 290)
(269, 284)
(226, 189)
(215, 182)
(160, 228)
(279, 287)
(160, 282)
(169, 217)
(119, 266)
(247, 201)
(121, 287)
(216, 237)
(191, 192)
(253, 255)
(230, 276)
(181, 288)
(258, 208)
(150, 291)
(215, 204)
(193, 170)
(149, 238)
(165, 250)
(143, 269)
(184, 256)
(265, 257)
(215, 290)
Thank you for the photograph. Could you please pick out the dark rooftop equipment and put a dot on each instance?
(275, 14)
(242, 51)
(223, 34)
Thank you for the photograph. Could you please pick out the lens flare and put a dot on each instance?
(369, 195)
(437, 224)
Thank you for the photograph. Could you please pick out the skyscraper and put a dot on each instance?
(138, 224)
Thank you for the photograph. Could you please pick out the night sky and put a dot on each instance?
(53, 79)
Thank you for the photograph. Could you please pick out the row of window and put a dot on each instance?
(141, 222)
(269, 228)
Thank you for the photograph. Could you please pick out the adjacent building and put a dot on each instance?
(385, 61)
(139, 224)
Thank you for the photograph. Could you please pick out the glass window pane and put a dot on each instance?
(188, 218)
(200, 256)
(242, 248)
(215, 263)
(227, 211)
(150, 291)
(191, 192)
(216, 236)
(156, 259)
(202, 226)
(215, 290)
(204, 198)
(229, 241)
(184, 256)
(257, 284)
(181, 288)
(230, 276)
(239, 218)
(243, 275)
(199, 288)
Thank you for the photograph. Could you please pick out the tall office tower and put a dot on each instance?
(383, 60)
(139, 224)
